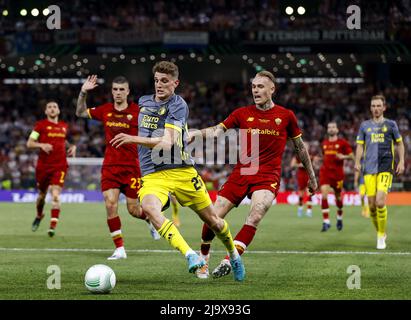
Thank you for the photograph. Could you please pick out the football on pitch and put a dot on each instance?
(100, 279)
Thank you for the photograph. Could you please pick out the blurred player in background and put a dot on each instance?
(50, 136)
(274, 125)
(335, 150)
(302, 184)
(167, 167)
(121, 170)
(375, 143)
(360, 187)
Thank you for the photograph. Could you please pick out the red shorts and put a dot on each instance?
(302, 179)
(48, 176)
(334, 181)
(237, 186)
(127, 179)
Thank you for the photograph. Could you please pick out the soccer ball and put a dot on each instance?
(100, 279)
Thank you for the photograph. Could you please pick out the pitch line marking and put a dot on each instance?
(393, 253)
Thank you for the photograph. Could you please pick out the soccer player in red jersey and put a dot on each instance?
(335, 150)
(302, 183)
(50, 136)
(274, 124)
(121, 169)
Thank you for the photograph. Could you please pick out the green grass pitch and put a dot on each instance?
(288, 259)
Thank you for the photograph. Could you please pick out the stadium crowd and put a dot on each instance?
(218, 15)
(209, 103)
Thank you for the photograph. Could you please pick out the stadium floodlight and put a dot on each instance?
(289, 11)
(23, 12)
(5, 13)
(35, 12)
(301, 10)
(46, 12)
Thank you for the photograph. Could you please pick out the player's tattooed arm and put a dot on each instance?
(304, 157)
(89, 84)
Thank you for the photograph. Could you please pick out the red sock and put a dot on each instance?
(339, 210)
(207, 235)
(309, 202)
(300, 201)
(243, 238)
(325, 209)
(114, 225)
(55, 213)
(143, 216)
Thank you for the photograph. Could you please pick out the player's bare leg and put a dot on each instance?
(222, 231)
(309, 212)
(338, 202)
(41, 200)
(134, 208)
(222, 206)
(55, 191)
(261, 201)
(381, 209)
(300, 203)
(152, 207)
(111, 197)
(325, 209)
(365, 210)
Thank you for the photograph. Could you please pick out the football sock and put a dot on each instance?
(382, 220)
(374, 219)
(225, 236)
(339, 210)
(170, 232)
(244, 238)
(54, 218)
(114, 225)
(300, 201)
(207, 236)
(309, 203)
(325, 210)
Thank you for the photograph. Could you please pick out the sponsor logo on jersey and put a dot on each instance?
(56, 135)
(250, 119)
(109, 114)
(117, 124)
(263, 131)
(264, 120)
(49, 128)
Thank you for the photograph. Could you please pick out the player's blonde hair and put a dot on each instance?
(266, 74)
(166, 67)
(379, 97)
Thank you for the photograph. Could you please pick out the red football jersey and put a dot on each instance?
(54, 134)
(330, 148)
(273, 126)
(115, 122)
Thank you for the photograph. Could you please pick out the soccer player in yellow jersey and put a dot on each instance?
(375, 143)
(167, 167)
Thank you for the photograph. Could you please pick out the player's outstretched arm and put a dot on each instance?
(401, 154)
(165, 142)
(89, 84)
(304, 156)
(211, 132)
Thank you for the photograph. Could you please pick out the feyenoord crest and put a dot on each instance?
(129, 117)
(384, 129)
(162, 111)
(277, 121)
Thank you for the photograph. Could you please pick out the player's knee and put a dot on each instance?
(380, 203)
(111, 206)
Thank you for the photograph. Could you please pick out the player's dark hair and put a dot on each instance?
(333, 121)
(266, 74)
(166, 67)
(379, 97)
(50, 101)
(120, 80)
